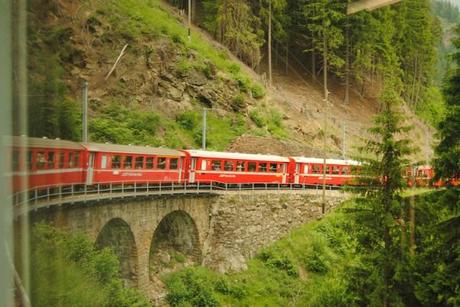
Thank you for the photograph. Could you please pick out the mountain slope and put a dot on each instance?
(158, 88)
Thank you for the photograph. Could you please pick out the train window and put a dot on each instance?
(228, 166)
(216, 164)
(328, 169)
(335, 170)
(149, 162)
(345, 170)
(76, 159)
(15, 160)
(305, 169)
(316, 169)
(139, 162)
(29, 160)
(116, 161)
(173, 163)
(273, 167)
(51, 156)
(128, 162)
(104, 161)
(262, 167)
(70, 159)
(240, 166)
(161, 163)
(61, 160)
(41, 160)
(251, 166)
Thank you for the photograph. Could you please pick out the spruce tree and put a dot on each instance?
(381, 211)
(447, 163)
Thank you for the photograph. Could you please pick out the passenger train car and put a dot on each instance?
(46, 162)
(310, 171)
(108, 163)
(49, 163)
(229, 167)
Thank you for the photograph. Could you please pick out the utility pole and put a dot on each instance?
(203, 135)
(189, 20)
(326, 98)
(270, 42)
(344, 136)
(85, 113)
(347, 64)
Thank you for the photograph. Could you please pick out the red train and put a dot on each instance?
(57, 162)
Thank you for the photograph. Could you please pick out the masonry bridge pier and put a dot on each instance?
(218, 230)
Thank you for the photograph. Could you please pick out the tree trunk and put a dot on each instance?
(347, 73)
(270, 42)
(287, 57)
(313, 64)
(412, 225)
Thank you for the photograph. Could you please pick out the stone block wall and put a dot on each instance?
(240, 224)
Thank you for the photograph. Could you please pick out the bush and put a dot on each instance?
(191, 287)
(238, 103)
(317, 258)
(257, 118)
(278, 261)
(257, 91)
(67, 270)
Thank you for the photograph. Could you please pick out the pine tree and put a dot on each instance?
(447, 163)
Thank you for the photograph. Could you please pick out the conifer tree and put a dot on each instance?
(381, 212)
(447, 162)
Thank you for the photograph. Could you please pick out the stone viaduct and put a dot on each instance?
(221, 230)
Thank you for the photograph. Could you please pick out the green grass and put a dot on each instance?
(306, 268)
(269, 121)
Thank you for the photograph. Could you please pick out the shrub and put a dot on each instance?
(191, 287)
(257, 91)
(238, 103)
(257, 118)
(317, 258)
(67, 270)
(278, 261)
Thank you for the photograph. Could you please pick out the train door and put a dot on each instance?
(192, 170)
(90, 171)
(284, 172)
(180, 168)
(297, 173)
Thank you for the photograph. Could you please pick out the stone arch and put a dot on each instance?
(117, 235)
(175, 243)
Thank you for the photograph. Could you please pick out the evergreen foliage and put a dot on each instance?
(447, 162)
(234, 23)
(381, 211)
(446, 10)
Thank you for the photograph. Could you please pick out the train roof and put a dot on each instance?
(133, 149)
(328, 161)
(236, 156)
(32, 142)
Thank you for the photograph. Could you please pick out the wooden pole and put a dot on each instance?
(189, 20)
(326, 98)
(270, 42)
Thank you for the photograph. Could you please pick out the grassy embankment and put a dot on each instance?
(318, 264)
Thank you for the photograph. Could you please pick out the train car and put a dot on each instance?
(46, 162)
(109, 163)
(422, 174)
(308, 171)
(239, 168)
